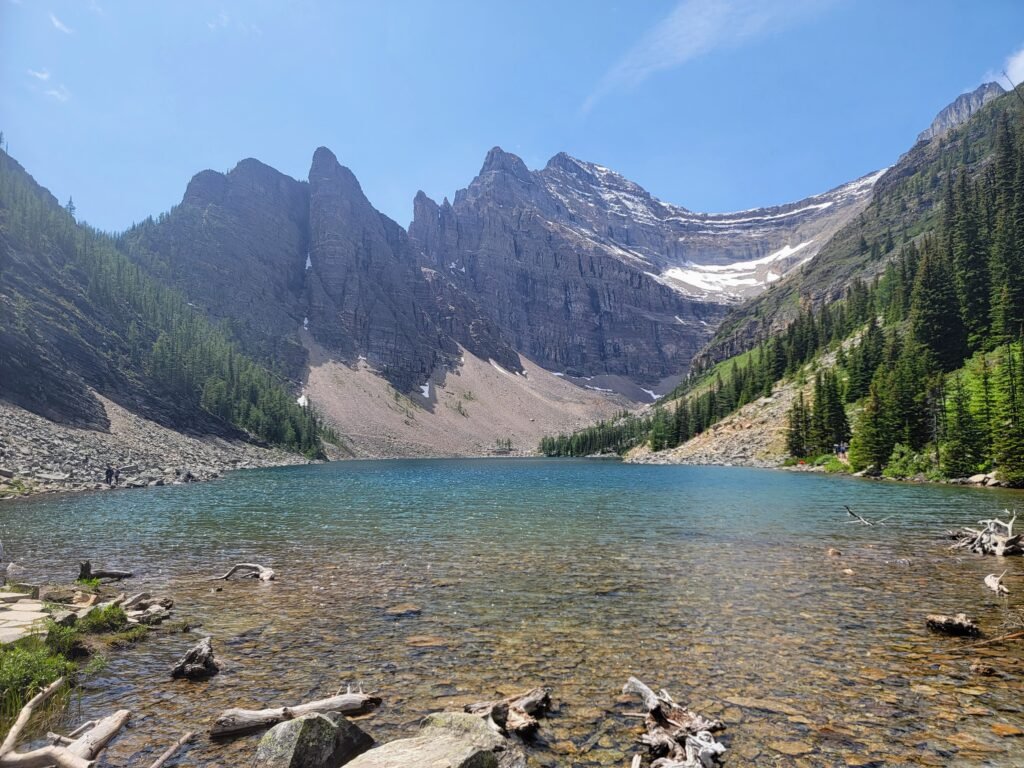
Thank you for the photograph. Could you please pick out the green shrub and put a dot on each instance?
(834, 465)
(62, 640)
(904, 463)
(92, 584)
(109, 619)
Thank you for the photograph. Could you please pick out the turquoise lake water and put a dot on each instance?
(713, 583)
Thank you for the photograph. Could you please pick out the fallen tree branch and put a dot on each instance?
(167, 755)
(995, 538)
(248, 570)
(677, 736)
(958, 625)
(67, 753)
(86, 572)
(995, 583)
(234, 721)
(1001, 638)
(863, 520)
(515, 713)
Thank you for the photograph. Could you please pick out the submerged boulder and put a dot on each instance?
(311, 741)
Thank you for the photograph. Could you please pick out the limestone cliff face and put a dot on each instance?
(267, 255)
(236, 247)
(562, 297)
(961, 110)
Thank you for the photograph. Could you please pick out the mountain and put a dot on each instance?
(960, 111)
(905, 202)
(590, 275)
(81, 325)
(900, 339)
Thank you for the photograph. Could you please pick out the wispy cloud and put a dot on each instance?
(96, 8)
(695, 28)
(60, 93)
(41, 74)
(1014, 67)
(220, 21)
(59, 25)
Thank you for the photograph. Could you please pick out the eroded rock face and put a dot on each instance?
(446, 740)
(961, 110)
(236, 246)
(560, 295)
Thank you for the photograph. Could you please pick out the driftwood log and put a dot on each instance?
(995, 583)
(994, 538)
(198, 662)
(515, 714)
(76, 751)
(249, 571)
(86, 571)
(676, 736)
(959, 625)
(169, 753)
(234, 721)
(862, 520)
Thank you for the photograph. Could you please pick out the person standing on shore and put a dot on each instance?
(109, 475)
(117, 475)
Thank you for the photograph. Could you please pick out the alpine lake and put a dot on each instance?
(436, 583)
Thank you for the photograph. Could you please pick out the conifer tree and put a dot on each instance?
(935, 320)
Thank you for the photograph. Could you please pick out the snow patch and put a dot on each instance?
(309, 262)
(305, 323)
(303, 401)
(425, 390)
(649, 392)
(730, 279)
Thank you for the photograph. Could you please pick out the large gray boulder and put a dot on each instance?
(311, 741)
(445, 740)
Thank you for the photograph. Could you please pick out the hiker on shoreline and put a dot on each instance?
(108, 476)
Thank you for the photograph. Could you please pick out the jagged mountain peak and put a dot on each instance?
(498, 160)
(961, 110)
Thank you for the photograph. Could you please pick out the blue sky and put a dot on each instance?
(711, 105)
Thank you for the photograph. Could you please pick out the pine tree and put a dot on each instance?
(963, 448)
(872, 441)
(798, 431)
(935, 320)
(1009, 435)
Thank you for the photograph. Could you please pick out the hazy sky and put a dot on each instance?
(710, 105)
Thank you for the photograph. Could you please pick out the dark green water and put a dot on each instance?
(710, 582)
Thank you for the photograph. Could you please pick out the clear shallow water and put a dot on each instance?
(710, 582)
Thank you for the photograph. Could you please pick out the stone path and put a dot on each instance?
(20, 615)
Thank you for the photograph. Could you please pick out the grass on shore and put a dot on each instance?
(30, 664)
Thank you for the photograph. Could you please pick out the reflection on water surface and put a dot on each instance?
(710, 582)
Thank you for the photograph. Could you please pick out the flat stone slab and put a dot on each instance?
(25, 604)
(10, 634)
(23, 617)
(10, 597)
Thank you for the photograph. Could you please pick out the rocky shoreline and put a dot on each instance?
(40, 456)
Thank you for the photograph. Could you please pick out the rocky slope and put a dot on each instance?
(38, 455)
(478, 408)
